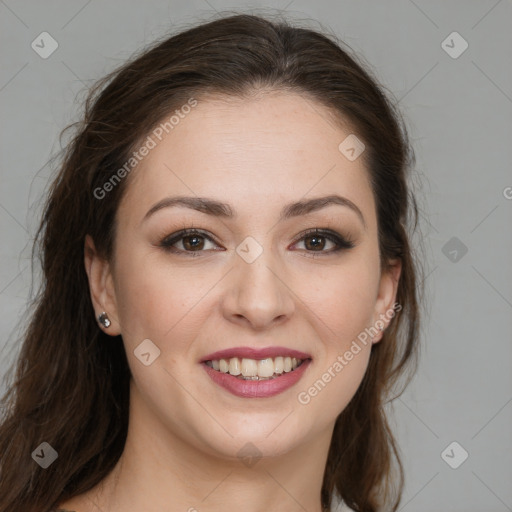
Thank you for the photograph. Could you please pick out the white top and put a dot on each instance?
(338, 506)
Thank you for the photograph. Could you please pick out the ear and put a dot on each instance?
(386, 298)
(101, 286)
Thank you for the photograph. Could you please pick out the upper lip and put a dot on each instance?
(255, 353)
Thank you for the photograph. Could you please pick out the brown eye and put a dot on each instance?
(316, 240)
(190, 242)
(193, 242)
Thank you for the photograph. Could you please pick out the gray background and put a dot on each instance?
(459, 113)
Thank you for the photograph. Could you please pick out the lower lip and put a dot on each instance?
(255, 388)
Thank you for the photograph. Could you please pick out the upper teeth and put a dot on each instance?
(255, 368)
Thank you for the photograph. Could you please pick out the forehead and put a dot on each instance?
(253, 153)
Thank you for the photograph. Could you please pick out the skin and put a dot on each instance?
(185, 431)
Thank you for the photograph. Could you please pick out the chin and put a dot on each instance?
(257, 435)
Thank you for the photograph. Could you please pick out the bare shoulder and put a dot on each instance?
(67, 508)
(72, 505)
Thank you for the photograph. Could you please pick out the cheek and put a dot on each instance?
(157, 300)
(342, 302)
(342, 298)
(330, 392)
(342, 357)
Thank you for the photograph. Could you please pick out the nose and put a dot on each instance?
(257, 294)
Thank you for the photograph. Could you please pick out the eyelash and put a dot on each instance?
(341, 242)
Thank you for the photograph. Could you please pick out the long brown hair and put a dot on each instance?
(71, 385)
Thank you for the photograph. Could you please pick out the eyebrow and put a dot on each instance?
(223, 210)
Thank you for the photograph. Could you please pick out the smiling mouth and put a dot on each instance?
(256, 370)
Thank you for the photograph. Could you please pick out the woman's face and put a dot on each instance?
(251, 280)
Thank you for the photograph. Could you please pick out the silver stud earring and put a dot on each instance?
(104, 320)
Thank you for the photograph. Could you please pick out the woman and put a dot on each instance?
(229, 292)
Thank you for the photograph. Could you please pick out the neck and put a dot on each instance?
(160, 470)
